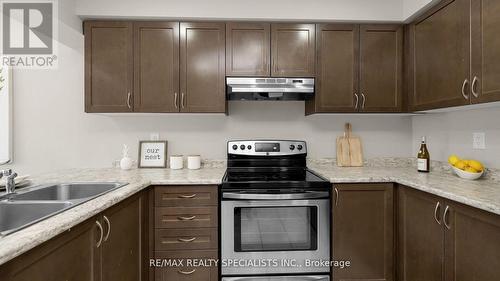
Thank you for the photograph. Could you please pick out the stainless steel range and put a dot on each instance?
(275, 215)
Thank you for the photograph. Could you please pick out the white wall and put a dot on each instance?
(314, 10)
(451, 133)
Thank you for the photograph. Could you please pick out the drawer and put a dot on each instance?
(186, 217)
(186, 196)
(186, 239)
(186, 273)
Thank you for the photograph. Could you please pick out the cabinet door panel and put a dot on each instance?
(337, 68)
(71, 256)
(156, 67)
(292, 50)
(486, 50)
(440, 44)
(248, 49)
(108, 66)
(381, 59)
(202, 68)
(472, 244)
(421, 238)
(363, 231)
(122, 258)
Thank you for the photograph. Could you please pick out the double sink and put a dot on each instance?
(21, 209)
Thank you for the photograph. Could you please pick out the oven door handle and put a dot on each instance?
(285, 196)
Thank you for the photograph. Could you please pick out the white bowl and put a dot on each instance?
(467, 175)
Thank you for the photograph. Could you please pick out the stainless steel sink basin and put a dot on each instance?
(66, 192)
(16, 215)
(31, 205)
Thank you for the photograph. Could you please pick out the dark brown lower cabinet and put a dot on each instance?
(363, 231)
(185, 272)
(92, 251)
(443, 240)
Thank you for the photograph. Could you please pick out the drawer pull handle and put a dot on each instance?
(101, 234)
(187, 196)
(445, 217)
(186, 240)
(187, 272)
(436, 210)
(186, 218)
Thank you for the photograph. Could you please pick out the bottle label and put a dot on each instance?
(422, 165)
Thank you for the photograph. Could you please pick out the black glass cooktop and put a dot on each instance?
(269, 177)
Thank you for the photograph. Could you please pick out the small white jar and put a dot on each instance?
(194, 162)
(176, 162)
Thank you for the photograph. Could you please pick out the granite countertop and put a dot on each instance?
(483, 194)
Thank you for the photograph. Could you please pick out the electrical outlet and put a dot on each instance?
(154, 136)
(479, 141)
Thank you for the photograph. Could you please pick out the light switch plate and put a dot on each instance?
(478, 141)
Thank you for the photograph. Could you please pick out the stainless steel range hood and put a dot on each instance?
(245, 88)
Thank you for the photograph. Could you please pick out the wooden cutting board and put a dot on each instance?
(349, 149)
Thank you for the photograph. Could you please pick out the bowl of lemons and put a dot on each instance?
(466, 169)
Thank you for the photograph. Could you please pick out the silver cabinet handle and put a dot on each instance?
(187, 196)
(186, 240)
(187, 272)
(436, 210)
(466, 81)
(364, 101)
(445, 216)
(357, 101)
(109, 228)
(186, 218)
(129, 102)
(101, 234)
(175, 100)
(336, 196)
(182, 100)
(473, 87)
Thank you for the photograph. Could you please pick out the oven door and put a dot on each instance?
(280, 278)
(286, 231)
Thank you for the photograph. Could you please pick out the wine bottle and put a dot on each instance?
(423, 158)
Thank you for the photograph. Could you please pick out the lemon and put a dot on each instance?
(471, 170)
(476, 165)
(453, 159)
(461, 164)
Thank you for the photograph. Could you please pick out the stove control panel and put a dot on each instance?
(266, 147)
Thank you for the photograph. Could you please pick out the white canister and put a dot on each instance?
(176, 162)
(194, 162)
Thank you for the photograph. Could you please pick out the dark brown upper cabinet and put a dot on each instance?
(440, 57)
(359, 69)
(248, 49)
(292, 50)
(337, 48)
(202, 67)
(363, 231)
(381, 68)
(485, 42)
(156, 67)
(108, 66)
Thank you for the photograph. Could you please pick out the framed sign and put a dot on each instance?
(152, 154)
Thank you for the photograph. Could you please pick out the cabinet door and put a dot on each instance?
(363, 231)
(485, 50)
(440, 44)
(248, 49)
(202, 49)
(292, 50)
(421, 237)
(108, 66)
(472, 244)
(122, 257)
(184, 272)
(156, 67)
(336, 69)
(71, 256)
(381, 68)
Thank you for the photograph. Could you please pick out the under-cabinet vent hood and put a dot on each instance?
(245, 88)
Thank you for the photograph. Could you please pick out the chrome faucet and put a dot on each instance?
(10, 183)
